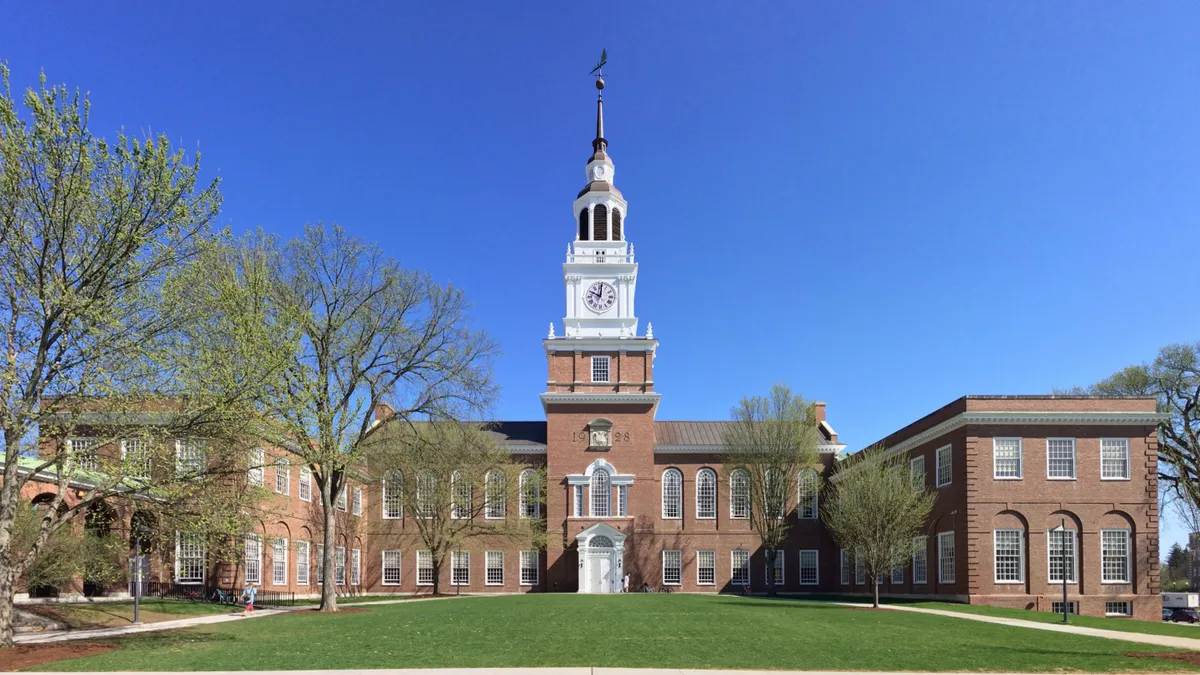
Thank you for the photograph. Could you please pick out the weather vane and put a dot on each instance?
(598, 70)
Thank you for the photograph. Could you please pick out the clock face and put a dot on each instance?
(600, 296)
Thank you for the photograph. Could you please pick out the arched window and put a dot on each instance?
(706, 493)
(774, 493)
(601, 494)
(583, 224)
(600, 223)
(393, 495)
(672, 494)
(806, 494)
(531, 495)
(460, 496)
(616, 225)
(494, 498)
(600, 541)
(739, 494)
(426, 495)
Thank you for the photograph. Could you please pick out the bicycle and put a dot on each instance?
(665, 589)
(220, 597)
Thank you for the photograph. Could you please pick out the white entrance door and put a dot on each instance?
(599, 572)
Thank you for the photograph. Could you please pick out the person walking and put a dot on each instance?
(625, 584)
(248, 595)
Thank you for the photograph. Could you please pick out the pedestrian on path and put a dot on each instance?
(625, 584)
(248, 595)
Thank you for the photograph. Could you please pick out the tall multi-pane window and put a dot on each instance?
(1061, 554)
(860, 570)
(945, 470)
(320, 563)
(253, 559)
(339, 566)
(302, 563)
(531, 497)
(946, 572)
(135, 457)
(460, 568)
(460, 496)
(83, 451)
(601, 487)
(254, 472)
(1060, 458)
(529, 568)
(191, 457)
(283, 476)
(1114, 458)
(919, 566)
(341, 499)
(916, 471)
(672, 568)
(494, 496)
(305, 488)
(393, 495)
(706, 493)
(424, 568)
(777, 574)
(739, 494)
(706, 568)
(898, 574)
(493, 572)
(1006, 458)
(672, 494)
(355, 566)
(806, 503)
(357, 505)
(391, 568)
(845, 576)
(1114, 556)
(1009, 555)
(189, 558)
(578, 509)
(599, 369)
(426, 495)
(623, 500)
(279, 562)
(739, 567)
(809, 567)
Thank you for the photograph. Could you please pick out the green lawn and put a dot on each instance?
(636, 630)
(1107, 623)
(106, 614)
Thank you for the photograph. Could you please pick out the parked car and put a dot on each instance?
(1167, 612)
(1185, 614)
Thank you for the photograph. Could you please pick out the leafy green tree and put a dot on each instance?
(772, 438)
(875, 509)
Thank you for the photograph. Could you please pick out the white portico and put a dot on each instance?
(601, 558)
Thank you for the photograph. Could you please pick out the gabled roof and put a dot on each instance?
(518, 434)
(689, 433)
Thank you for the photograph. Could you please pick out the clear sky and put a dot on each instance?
(885, 205)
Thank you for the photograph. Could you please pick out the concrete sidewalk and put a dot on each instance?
(560, 671)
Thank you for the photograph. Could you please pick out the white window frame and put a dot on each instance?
(146, 461)
(600, 493)
(490, 565)
(341, 499)
(676, 500)
(622, 501)
(424, 568)
(672, 560)
(706, 494)
(339, 566)
(455, 568)
(191, 454)
(461, 501)
(735, 500)
(815, 566)
(596, 368)
(1020, 555)
(530, 496)
(321, 564)
(279, 567)
(255, 473)
(844, 560)
(918, 478)
(355, 567)
(1127, 543)
(710, 565)
(780, 568)
(1055, 569)
(860, 571)
(1074, 459)
(948, 452)
(737, 571)
(943, 577)
(302, 563)
(1128, 465)
(256, 577)
(392, 505)
(189, 563)
(577, 511)
(807, 504)
(897, 574)
(396, 564)
(920, 560)
(283, 487)
(1110, 608)
(530, 556)
(357, 502)
(996, 459)
(304, 488)
(495, 495)
(83, 452)
(1072, 607)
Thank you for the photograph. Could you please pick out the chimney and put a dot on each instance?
(383, 411)
(819, 410)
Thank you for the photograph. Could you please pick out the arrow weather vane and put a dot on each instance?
(598, 71)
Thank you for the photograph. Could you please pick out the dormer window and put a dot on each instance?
(600, 368)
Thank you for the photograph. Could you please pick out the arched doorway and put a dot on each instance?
(601, 559)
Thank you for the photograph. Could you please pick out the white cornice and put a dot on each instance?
(629, 344)
(529, 449)
(824, 448)
(554, 398)
(1028, 418)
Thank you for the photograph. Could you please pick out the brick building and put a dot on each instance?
(628, 494)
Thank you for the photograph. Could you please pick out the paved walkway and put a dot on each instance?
(552, 671)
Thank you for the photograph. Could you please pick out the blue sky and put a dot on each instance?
(885, 205)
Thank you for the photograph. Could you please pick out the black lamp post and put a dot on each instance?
(1061, 530)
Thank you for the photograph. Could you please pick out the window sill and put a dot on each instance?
(1114, 583)
(1118, 479)
(1008, 477)
(1060, 478)
(1008, 583)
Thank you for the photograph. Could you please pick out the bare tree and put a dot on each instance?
(451, 483)
(773, 439)
(875, 509)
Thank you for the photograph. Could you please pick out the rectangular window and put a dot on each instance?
(916, 471)
(806, 507)
(391, 568)
(529, 568)
(254, 472)
(1057, 607)
(672, 568)
(283, 476)
(1060, 458)
(191, 457)
(945, 542)
(460, 568)
(860, 571)
(809, 567)
(578, 501)
(1060, 553)
(600, 369)
(493, 568)
(739, 567)
(341, 499)
(253, 559)
(845, 567)
(393, 497)
(778, 575)
(305, 484)
(83, 451)
(1114, 459)
(320, 563)
(622, 501)
(302, 563)
(706, 568)
(189, 558)
(279, 551)
(135, 457)
(358, 502)
(1118, 608)
(1009, 552)
(424, 568)
(1114, 556)
(1006, 458)
(944, 467)
(919, 568)
(898, 574)
(355, 567)
(339, 566)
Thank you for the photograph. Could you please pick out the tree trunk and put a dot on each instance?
(437, 575)
(8, 588)
(329, 573)
(875, 589)
(771, 553)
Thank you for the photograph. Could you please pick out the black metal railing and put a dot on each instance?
(214, 594)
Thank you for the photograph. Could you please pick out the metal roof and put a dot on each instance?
(689, 433)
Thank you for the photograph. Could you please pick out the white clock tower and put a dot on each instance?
(600, 274)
